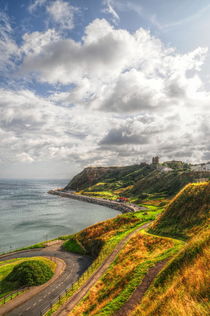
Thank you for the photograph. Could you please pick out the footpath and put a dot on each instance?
(74, 300)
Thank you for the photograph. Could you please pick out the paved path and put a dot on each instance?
(74, 300)
(138, 294)
(75, 266)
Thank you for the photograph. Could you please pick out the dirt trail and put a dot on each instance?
(138, 294)
(65, 309)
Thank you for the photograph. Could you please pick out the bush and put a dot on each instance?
(73, 245)
(29, 273)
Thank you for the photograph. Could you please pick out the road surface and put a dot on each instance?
(75, 266)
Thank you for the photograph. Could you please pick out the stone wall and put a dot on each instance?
(112, 204)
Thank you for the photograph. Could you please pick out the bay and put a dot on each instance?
(28, 214)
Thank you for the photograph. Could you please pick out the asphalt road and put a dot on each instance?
(75, 266)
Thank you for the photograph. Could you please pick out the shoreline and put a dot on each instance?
(123, 208)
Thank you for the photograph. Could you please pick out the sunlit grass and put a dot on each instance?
(183, 286)
(124, 275)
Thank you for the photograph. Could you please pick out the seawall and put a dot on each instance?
(124, 208)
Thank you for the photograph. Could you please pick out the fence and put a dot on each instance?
(69, 291)
(10, 296)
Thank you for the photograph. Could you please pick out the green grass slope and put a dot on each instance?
(92, 175)
(136, 181)
(167, 183)
(187, 213)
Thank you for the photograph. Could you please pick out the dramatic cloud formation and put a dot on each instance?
(116, 71)
(108, 97)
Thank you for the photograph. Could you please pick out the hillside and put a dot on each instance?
(106, 234)
(182, 288)
(186, 214)
(174, 292)
(113, 176)
(138, 182)
(168, 183)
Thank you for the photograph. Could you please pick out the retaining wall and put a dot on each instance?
(112, 204)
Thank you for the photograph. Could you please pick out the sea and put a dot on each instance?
(28, 214)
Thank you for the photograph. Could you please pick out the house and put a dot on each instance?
(201, 167)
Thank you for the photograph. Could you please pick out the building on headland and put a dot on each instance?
(201, 167)
(155, 160)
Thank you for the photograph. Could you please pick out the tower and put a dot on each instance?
(155, 160)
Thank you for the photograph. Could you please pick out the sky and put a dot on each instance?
(102, 83)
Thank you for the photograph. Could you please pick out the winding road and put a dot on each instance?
(75, 267)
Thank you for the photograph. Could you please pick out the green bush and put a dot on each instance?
(29, 273)
(72, 245)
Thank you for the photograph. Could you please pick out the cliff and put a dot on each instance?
(92, 175)
(137, 180)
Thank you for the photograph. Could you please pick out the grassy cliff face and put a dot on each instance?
(182, 288)
(92, 175)
(124, 275)
(186, 214)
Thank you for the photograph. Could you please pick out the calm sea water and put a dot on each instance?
(29, 215)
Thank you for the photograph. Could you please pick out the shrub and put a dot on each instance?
(73, 245)
(29, 273)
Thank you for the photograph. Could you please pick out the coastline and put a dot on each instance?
(123, 208)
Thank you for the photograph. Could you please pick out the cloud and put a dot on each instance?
(8, 47)
(43, 131)
(24, 157)
(35, 4)
(109, 9)
(116, 98)
(115, 71)
(62, 13)
(34, 43)
(119, 136)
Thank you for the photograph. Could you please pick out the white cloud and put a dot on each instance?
(8, 47)
(109, 9)
(24, 157)
(152, 99)
(41, 130)
(62, 13)
(35, 4)
(34, 42)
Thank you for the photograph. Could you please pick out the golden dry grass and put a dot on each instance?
(184, 291)
(124, 275)
(186, 214)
